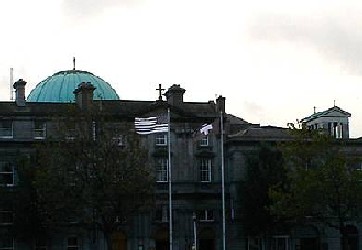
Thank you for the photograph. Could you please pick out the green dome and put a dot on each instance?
(60, 86)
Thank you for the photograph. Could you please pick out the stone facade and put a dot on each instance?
(196, 162)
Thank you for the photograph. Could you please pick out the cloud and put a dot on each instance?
(336, 37)
(82, 9)
(254, 108)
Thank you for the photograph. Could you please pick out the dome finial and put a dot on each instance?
(73, 62)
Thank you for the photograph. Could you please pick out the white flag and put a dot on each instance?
(205, 128)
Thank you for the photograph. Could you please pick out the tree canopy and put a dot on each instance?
(264, 170)
(95, 173)
(323, 184)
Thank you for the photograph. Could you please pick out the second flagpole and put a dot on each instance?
(223, 180)
(169, 176)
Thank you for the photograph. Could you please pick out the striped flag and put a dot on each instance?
(150, 125)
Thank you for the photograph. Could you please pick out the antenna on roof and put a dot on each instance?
(73, 62)
(11, 84)
(334, 103)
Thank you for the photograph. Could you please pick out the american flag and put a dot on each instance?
(150, 125)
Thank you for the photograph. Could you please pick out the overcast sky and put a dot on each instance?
(272, 60)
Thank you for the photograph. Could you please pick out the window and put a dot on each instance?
(254, 243)
(205, 215)
(338, 128)
(73, 243)
(73, 175)
(40, 130)
(357, 166)
(204, 141)
(335, 129)
(162, 213)
(162, 170)
(6, 129)
(280, 242)
(94, 130)
(161, 139)
(205, 170)
(120, 219)
(72, 219)
(41, 244)
(6, 174)
(308, 163)
(71, 131)
(6, 243)
(119, 140)
(6, 215)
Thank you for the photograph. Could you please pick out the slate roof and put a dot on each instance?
(262, 133)
(126, 108)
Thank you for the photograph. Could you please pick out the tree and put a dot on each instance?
(264, 170)
(322, 185)
(18, 202)
(95, 173)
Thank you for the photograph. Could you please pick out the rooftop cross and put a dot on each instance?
(160, 89)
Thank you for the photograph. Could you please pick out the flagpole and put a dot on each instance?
(222, 180)
(169, 177)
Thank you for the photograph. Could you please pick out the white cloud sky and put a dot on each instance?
(272, 60)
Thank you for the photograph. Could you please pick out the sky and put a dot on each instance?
(274, 61)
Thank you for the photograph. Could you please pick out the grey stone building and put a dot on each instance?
(196, 161)
(195, 158)
(310, 234)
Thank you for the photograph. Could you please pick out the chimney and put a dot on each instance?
(84, 95)
(220, 104)
(175, 94)
(19, 87)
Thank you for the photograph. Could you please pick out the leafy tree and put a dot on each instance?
(322, 185)
(95, 173)
(264, 170)
(20, 203)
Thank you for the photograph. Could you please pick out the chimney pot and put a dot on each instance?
(19, 87)
(220, 104)
(84, 95)
(175, 94)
